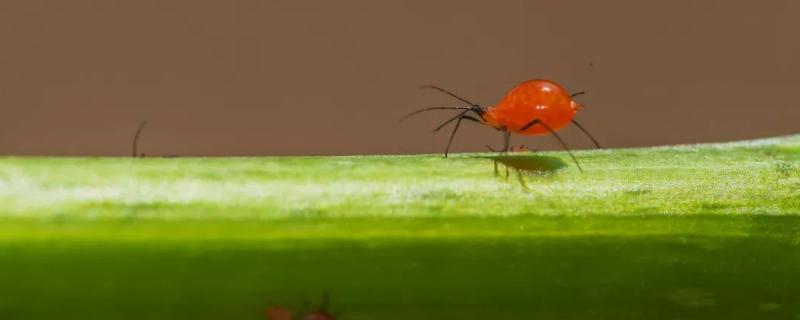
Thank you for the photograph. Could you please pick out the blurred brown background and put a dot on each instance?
(247, 77)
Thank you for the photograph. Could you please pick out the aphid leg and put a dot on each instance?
(506, 145)
(563, 144)
(430, 109)
(502, 150)
(587, 133)
(506, 140)
(506, 148)
(473, 119)
(447, 92)
(459, 116)
(452, 135)
(136, 139)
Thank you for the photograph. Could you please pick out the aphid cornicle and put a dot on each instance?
(534, 107)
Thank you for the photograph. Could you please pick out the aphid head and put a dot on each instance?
(462, 115)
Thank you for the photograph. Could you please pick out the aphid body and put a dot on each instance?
(534, 99)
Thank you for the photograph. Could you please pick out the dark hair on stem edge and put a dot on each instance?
(135, 145)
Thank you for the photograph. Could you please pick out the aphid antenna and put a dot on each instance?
(476, 108)
(431, 109)
(449, 93)
(579, 93)
(135, 145)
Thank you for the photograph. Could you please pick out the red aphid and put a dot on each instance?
(319, 315)
(534, 107)
(278, 313)
(283, 313)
